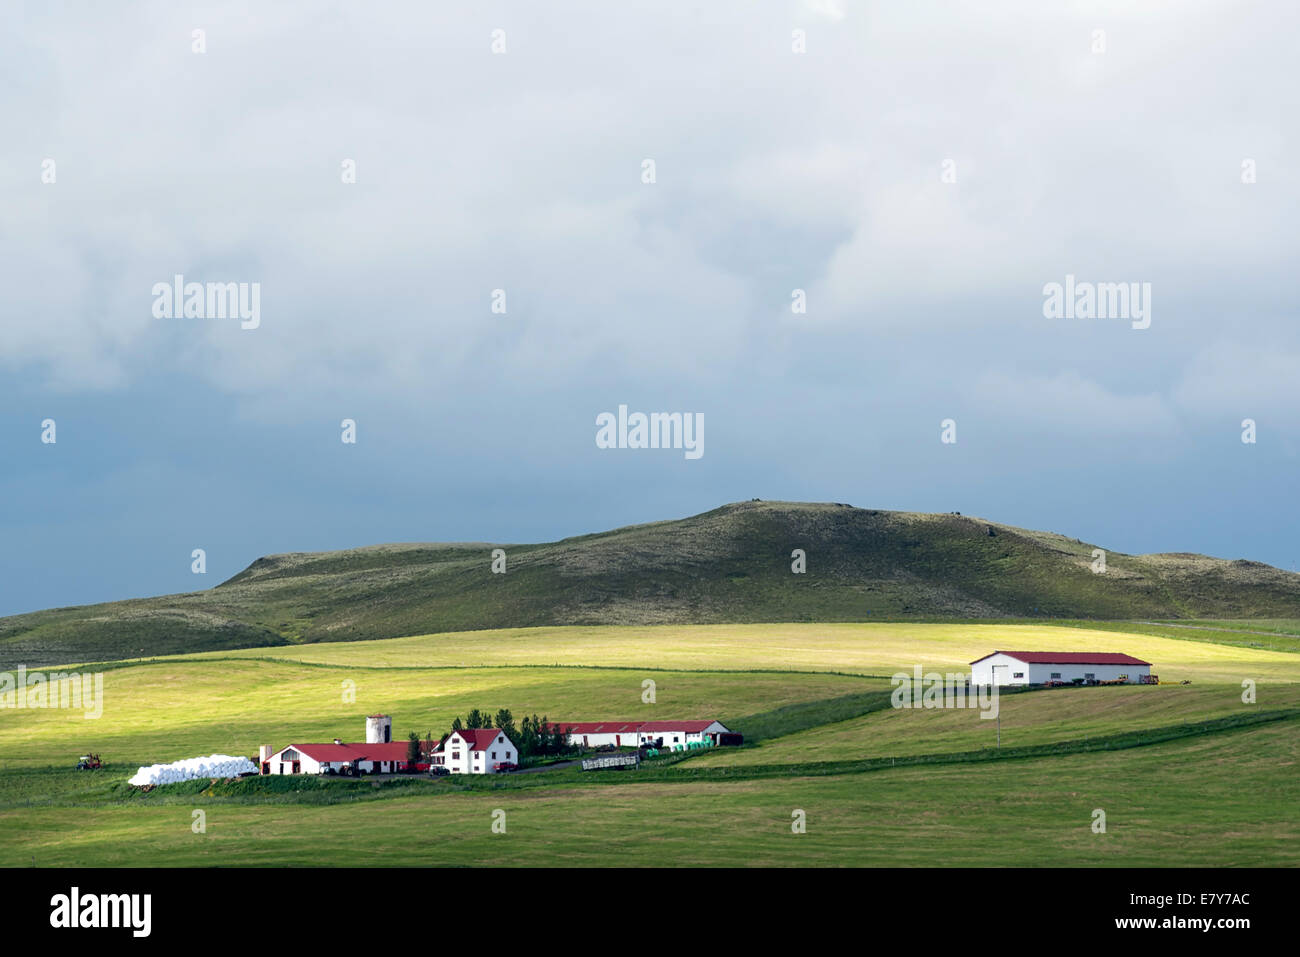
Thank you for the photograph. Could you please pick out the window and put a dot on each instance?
(1088, 676)
(500, 738)
(494, 755)
(1056, 674)
(676, 739)
(1017, 674)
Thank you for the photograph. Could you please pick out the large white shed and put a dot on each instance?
(1041, 667)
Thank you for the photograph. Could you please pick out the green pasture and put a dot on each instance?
(154, 713)
(1028, 718)
(804, 695)
(1216, 800)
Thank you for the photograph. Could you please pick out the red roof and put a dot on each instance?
(1069, 658)
(630, 727)
(333, 753)
(480, 739)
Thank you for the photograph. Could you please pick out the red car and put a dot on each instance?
(505, 766)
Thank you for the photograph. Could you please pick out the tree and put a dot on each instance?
(413, 748)
(549, 741)
(506, 722)
(560, 739)
(528, 736)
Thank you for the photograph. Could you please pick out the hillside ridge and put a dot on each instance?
(729, 565)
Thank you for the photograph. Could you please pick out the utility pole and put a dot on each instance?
(993, 670)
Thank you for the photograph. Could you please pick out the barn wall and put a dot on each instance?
(982, 671)
(1040, 674)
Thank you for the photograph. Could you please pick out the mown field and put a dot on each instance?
(871, 648)
(810, 698)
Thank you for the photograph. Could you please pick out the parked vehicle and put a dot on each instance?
(89, 762)
(505, 766)
(438, 770)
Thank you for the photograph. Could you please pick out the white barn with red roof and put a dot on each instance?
(635, 734)
(378, 755)
(1042, 667)
(337, 757)
(476, 751)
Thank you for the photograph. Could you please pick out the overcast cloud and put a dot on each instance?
(775, 171)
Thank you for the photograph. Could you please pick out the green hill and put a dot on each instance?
(728, 565)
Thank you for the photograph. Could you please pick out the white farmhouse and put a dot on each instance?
(1041, 667)
(476, 751)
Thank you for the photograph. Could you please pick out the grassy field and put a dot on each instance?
(872, 649)
(1276, 626)
(1269, 634)
(806, 694)
(1026, 719)
(176, 709)
(1223, 800)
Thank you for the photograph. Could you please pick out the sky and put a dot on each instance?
(824, 227)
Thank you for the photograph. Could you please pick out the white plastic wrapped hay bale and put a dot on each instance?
(192, 769)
